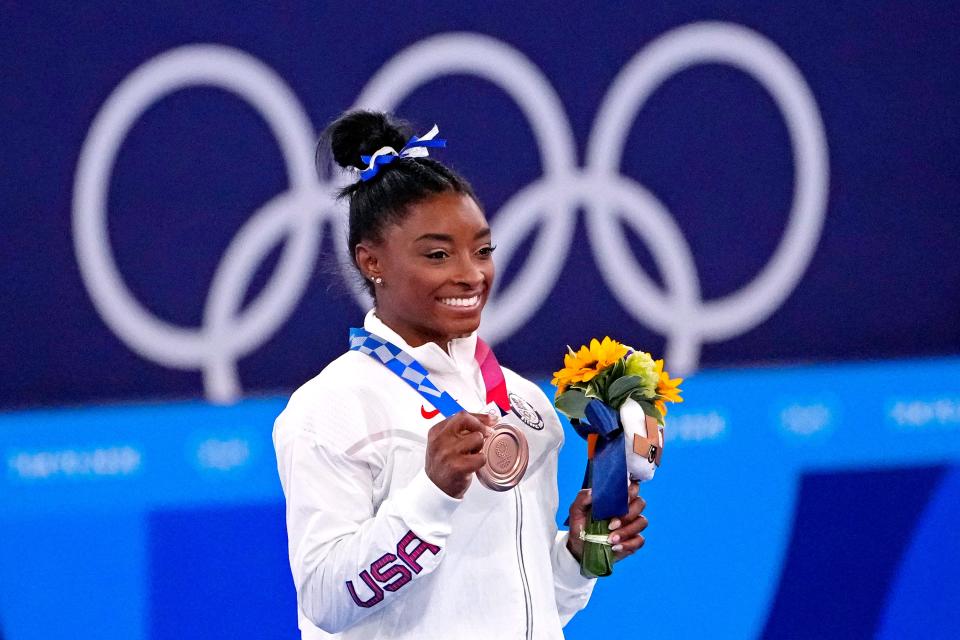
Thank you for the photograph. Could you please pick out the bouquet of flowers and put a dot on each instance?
(615, 397)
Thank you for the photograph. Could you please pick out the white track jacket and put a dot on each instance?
(379, 551)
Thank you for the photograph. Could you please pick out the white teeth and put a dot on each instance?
(461, 302)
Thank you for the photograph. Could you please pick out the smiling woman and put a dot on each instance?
(377, 453)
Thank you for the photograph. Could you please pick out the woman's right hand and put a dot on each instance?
(455, 450)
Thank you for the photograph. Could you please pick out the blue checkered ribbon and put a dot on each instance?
(405, 366)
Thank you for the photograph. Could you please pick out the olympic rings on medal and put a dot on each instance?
(607, 198)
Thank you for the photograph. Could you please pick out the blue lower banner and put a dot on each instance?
(812, 501)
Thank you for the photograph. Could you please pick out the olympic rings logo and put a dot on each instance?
(607, 198)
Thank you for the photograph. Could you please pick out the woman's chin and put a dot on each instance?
(457, 322)
(464, 327)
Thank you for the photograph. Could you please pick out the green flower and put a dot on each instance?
(641, 364)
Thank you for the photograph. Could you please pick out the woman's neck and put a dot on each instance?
(412, 335)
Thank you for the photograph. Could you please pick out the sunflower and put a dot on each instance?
(667, 389)
(585, 364)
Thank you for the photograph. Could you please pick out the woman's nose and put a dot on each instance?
(469, 273)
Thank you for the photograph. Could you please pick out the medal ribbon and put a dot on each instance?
(416, 375)
(492, 376)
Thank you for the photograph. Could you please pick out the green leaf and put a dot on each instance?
(621, 389)
(649, 409)
(622, 386)
(572, 403)
(592, 391)
(618, 368)
(617, 401)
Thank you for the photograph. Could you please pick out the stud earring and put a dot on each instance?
(377, 280)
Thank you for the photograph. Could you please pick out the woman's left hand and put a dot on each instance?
(625, 531)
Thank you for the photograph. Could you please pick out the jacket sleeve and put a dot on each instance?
(350, 557)
(571, 590)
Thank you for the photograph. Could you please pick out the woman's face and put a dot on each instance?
(437, 269)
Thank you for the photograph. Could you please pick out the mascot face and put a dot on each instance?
(643, 451)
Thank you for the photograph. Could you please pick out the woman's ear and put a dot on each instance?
(367, 261)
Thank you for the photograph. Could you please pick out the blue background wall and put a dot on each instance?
(138, 482)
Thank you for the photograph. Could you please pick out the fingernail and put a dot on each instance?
(614, 524)
(614, 539)
(617, 547)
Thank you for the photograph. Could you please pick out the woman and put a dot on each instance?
(389, 534)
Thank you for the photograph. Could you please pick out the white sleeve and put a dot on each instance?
(349, 560)
(571, 590)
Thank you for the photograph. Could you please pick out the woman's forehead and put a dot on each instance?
(449, 214)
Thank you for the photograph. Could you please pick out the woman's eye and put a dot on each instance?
(437, 255)
(487, 251)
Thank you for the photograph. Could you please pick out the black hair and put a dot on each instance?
(384, 199)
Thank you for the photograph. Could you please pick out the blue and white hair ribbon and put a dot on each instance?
(415, 148)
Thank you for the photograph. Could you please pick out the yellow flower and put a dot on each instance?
(585, 364)
(667, 389)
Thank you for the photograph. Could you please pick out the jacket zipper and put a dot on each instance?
(523, 571)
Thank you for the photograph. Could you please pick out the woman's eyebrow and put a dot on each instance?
(440, 237)
(443, 237)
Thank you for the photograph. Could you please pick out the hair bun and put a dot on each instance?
(361, 133)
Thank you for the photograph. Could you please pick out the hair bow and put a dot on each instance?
(415, 148)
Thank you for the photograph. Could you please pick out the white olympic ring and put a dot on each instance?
(296, 217)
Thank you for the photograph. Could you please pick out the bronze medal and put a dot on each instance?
(507, 454)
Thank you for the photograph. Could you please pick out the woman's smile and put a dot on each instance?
(465, 303)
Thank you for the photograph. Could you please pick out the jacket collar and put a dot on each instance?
(460, 358)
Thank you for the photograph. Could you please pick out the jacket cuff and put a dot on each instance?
(566, 569)
(426, 508)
